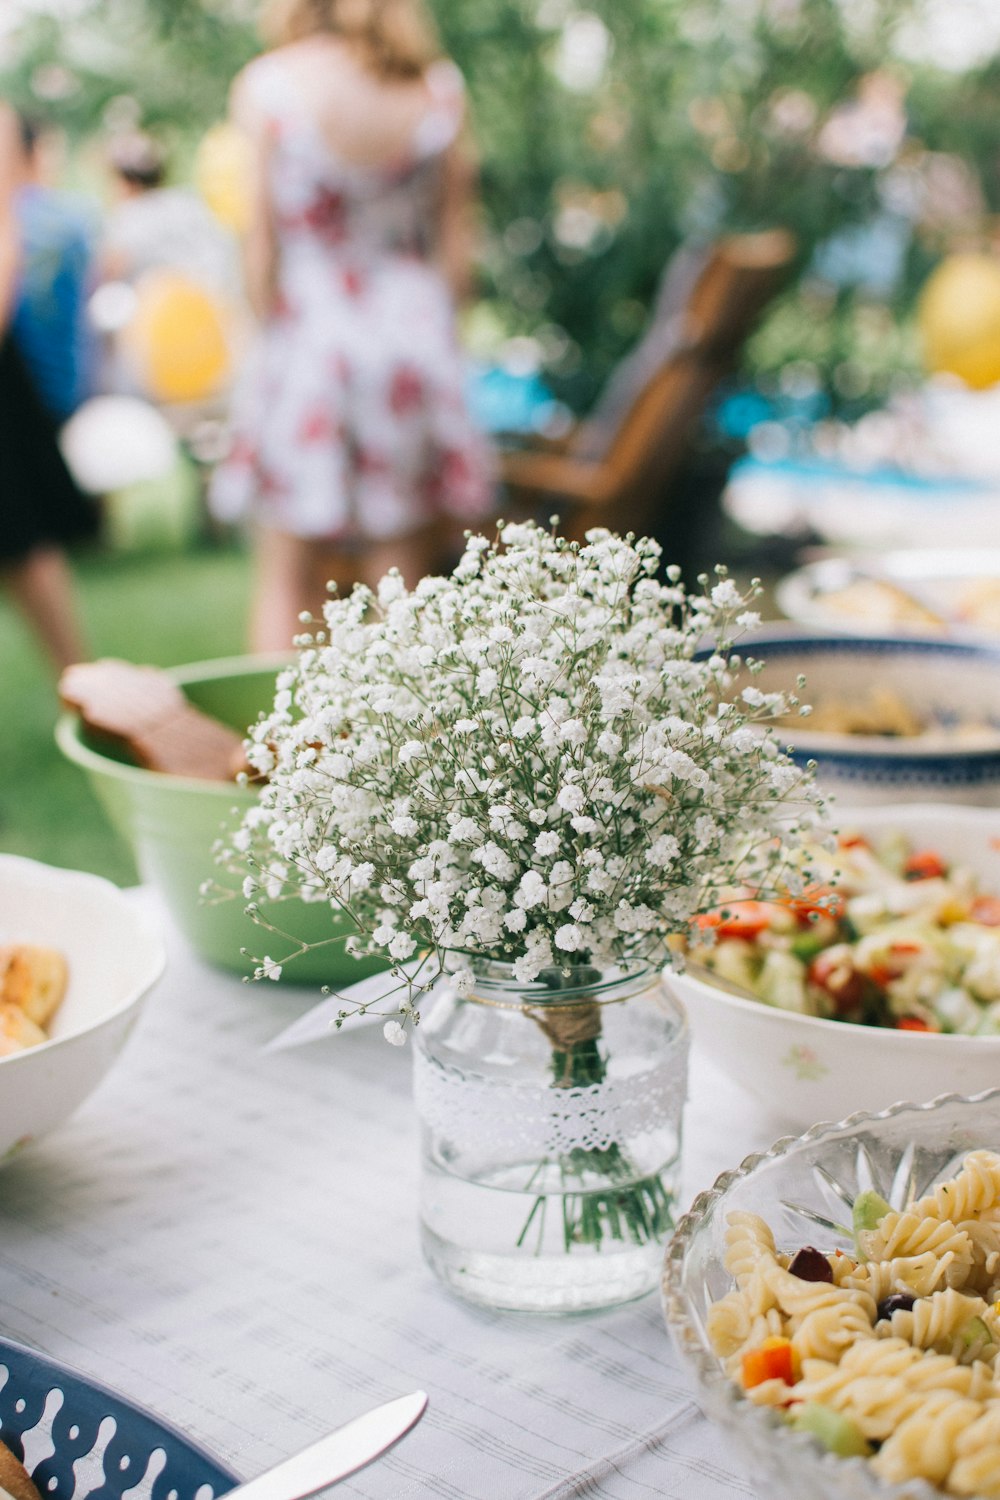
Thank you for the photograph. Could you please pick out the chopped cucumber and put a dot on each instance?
(869, 1210)
(782, 982)
(807, 945)
(974, 1332)
(837, 1433)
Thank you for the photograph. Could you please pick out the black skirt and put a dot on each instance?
(39, 502)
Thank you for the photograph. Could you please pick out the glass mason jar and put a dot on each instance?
(551, 1123)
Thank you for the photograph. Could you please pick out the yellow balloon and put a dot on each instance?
(223, 174)
(178, 338)
(959, 319)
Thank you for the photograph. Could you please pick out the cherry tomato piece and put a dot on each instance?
(924, 864)
(745, 919)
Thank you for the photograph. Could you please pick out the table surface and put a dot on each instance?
(229, 1237)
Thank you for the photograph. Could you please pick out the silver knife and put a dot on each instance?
(337, 1455)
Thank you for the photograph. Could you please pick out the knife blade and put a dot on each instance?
(338, 1454)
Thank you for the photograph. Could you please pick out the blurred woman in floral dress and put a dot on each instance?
(352, 441)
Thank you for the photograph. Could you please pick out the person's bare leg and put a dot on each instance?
(415, 555)
(281, 587)
(336, 565)
(41, 586)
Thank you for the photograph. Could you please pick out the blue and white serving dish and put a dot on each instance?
(76, 1438)
(952, 687)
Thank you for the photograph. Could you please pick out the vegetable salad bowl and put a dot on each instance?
(804, 1068)
(804, 1188)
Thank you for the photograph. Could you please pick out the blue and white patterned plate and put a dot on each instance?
(947, 684)
(78, 1439)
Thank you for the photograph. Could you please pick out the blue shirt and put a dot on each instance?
(49, 322)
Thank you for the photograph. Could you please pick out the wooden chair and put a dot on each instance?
(615, 468)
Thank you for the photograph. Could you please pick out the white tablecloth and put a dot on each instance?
(229, 1237)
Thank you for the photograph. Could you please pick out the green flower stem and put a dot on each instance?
(639, 1211)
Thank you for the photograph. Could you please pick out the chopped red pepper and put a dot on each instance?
(924, 864)
(771, 1360)
(833, 971)
(745, 919)
(913, 1023)
(853, 841)
(816, 901)
(894, 965)
(986, 911)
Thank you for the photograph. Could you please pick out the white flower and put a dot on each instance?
(496, 861)
(547, 843)
(269, 969)
(394, 1033)
(569, 938)
(531, 890)
(726, 595)
(573, 732)
(467, 831)
(571, 799)
(525, 760)
(664, 850)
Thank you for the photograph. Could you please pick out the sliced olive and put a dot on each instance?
(898, 1302)
(810, 1265)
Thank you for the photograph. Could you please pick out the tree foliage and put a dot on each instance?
(606, 134)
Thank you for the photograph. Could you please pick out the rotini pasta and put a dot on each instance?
(893, 1350)
(974, 1188)
(949, 1322)
(909, 1234)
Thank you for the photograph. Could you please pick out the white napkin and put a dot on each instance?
(319, 1022)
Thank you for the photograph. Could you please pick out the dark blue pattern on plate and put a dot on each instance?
(88, 1417)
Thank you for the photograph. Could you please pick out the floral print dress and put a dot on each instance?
(350, 421)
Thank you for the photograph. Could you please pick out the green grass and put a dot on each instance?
(160, 608)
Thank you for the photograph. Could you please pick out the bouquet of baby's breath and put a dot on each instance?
(534, 760)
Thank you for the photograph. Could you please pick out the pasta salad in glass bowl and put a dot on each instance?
(838, 1301)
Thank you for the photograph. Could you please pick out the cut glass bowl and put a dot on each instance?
(804, 1187)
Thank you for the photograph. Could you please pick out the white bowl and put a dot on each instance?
(114, 957)
(804, 1068)
(943, 681)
